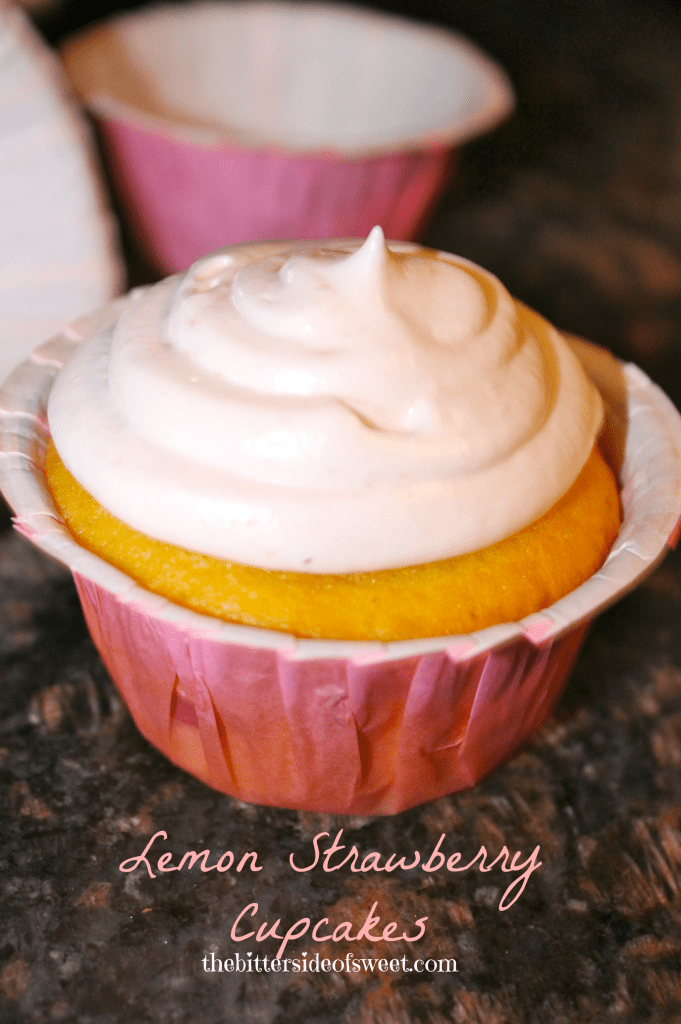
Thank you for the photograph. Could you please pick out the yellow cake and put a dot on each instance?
(501, 583)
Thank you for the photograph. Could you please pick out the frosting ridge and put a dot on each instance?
(326, 407)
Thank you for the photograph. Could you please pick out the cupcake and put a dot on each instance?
(337, 513)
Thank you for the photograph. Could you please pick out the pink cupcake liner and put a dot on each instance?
(191, 199)
(340, 735)
(226, 123)
(344, 727)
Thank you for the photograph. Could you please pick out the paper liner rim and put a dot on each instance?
(497, 102)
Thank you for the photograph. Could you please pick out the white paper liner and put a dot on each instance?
(643, 435)
(58, 242)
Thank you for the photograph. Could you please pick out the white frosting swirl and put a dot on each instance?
(326, 407)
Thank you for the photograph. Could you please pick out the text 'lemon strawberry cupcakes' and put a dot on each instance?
(340, 510)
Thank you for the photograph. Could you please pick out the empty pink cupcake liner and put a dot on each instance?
(228, 123)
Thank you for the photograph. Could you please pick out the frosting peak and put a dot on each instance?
(327, 407)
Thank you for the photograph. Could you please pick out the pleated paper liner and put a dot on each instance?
(344, 727)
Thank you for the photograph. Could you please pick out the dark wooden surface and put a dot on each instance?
(576, 204)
